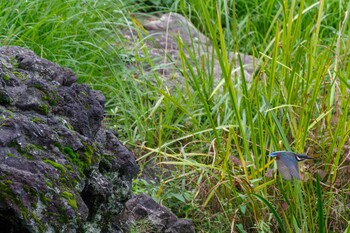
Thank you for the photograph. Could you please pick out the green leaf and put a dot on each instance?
(274, 212)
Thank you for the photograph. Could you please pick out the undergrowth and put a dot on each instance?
(207, 144)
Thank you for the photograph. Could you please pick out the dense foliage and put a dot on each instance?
(215, 141)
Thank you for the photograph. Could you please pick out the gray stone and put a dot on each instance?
(161, 36)
(60, 169)
(53, 151)
(145, 215)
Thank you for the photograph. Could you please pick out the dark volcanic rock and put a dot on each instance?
(147, 216)
(60, 170)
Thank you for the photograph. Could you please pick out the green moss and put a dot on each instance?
(27, 214)
(80, 159)
(28, 156)
(49, 183)
(66, 124)
(30, 147)
(18, 75)
(24, 212)
(44, 109)
(67, 195)
(70, 199)
(58, 145)
(14, 62)
(45, 200)
(37, 220)
(37, 120)
(142, 226)
(69, 168)
(37, 86)
(29, 150)
(10, 155)
(53, 102)
(6, 190)
(88, 155)
(73, 157)
(6, 193)
(69, 151)
(6, 77)
(63, 180)
(51, 98)
(32, 192)
(56, 165)
(7, 182)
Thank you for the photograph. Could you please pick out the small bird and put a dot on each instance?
(287, 163)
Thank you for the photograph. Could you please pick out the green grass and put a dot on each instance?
(299, 100)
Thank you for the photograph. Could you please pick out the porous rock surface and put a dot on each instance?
(162, 36)
(60, 169)
(145, 215)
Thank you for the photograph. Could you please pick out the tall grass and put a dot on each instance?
(211, 143)
(298, 101)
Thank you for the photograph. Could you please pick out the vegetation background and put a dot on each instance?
(210, 145)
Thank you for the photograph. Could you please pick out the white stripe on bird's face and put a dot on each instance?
(300, 157)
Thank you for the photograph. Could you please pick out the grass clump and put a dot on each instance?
(211, 143)
(218, 141)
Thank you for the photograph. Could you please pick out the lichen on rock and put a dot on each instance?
(60, 169)
(54, 151)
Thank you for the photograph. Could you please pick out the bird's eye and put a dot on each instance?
(278, 157)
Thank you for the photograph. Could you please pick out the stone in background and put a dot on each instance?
(160, 36)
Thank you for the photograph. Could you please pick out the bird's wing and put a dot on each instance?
(288, 172)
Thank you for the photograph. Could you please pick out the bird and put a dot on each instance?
(287, 163)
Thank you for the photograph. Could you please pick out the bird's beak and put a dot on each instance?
(303, 157)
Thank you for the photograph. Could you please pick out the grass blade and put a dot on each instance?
(321, 225)
(274, 212)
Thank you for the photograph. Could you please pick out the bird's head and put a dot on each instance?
(278, 154)
(289, 154)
